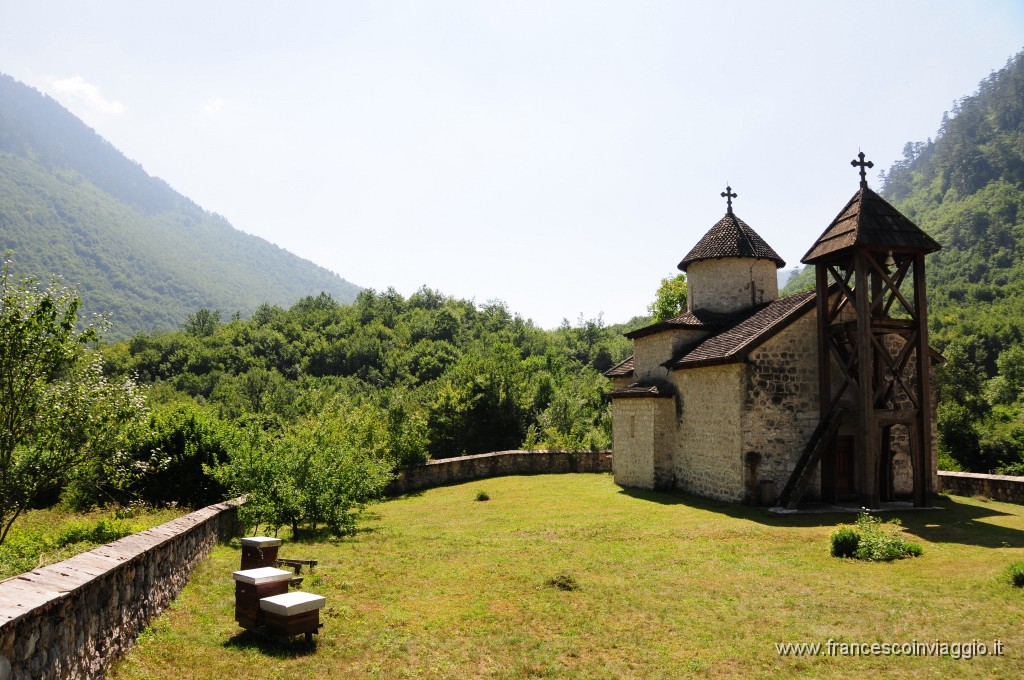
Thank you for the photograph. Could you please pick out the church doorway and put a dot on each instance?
(845, 489)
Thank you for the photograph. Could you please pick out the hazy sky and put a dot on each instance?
(560, 156)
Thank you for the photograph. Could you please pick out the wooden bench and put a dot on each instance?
(297, 565)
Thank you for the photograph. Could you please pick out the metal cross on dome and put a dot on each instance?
(728, 195)
(863, 173)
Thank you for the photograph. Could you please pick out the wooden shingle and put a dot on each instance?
(731, 237)
(869, 220)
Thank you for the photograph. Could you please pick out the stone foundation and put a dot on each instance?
(74, 618)
(444, 471)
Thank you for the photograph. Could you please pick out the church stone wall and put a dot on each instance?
(707, 459)
(651, 351)
(643, 430)
(781, 409)
(725, 285)
(622, 381)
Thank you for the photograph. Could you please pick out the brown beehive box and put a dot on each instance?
(252, 585)
(290, 614)
(259, 551)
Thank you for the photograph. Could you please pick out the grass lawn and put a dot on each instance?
(439, 584)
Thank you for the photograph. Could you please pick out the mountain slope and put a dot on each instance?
(966, 188)
(72, 205)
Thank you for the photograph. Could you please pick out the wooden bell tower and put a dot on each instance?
(873, 355)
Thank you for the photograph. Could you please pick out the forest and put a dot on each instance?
(321, 388)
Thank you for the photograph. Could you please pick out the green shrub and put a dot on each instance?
(20, 552)
(482, 496)
(845, 540)
(873, 540)
(25, 550)
(1015, 574)
(98, 533)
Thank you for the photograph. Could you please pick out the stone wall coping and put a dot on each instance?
(978, 475)
(494, 454)
(20, 595)
(458, 469)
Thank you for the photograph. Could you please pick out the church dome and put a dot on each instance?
(731, 237)
(731, 268)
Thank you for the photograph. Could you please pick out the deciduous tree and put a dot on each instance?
(59, 415)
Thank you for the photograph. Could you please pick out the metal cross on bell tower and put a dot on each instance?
(728, 195)
(863, 173)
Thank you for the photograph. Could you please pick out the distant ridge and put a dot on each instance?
(72, 205)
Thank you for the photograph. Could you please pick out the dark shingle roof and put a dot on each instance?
(732, 344)
(731, 237)
(868, 220)
(638, 390)
(699, 320)
(623, 369)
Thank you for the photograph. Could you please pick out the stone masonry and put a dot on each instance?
(74, 618)
(781, 408)
(442, 471)
(732, 283)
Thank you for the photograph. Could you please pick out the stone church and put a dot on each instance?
(825, 395)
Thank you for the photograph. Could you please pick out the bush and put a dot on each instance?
(873, 540)
(98, 533)
(914, 549)
(845, 541)
(1015, 574)
(482, 496)
(21, 552)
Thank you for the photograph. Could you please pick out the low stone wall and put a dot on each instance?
(74, 618)
(467, 468)
(996, 487)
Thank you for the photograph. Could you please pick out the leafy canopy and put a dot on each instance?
(670, 299)
(59, 414)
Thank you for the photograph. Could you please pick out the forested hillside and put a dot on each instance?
(74, 206)
(965, 187)
(322, 389)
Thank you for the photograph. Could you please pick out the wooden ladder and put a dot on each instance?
(804, 470)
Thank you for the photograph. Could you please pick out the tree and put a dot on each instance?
(59, 415)
(310, 475)
(202, 323)
(670, 300)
